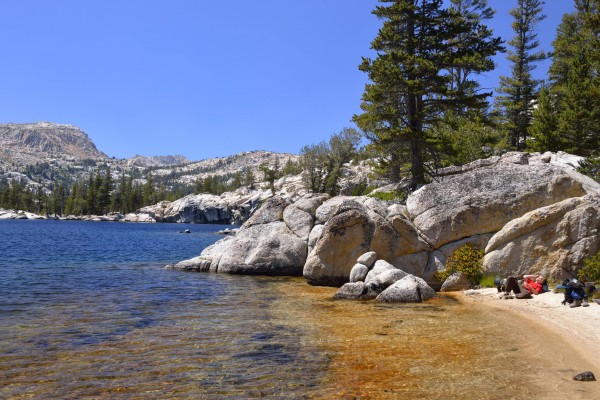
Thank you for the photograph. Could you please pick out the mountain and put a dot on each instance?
(156, 161)
(31, 143)
(45, 153)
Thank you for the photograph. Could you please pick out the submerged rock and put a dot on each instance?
(353, 290)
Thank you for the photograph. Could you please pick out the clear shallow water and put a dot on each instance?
(86, 311)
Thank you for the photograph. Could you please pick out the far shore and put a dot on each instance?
(113, 217)
(579, 327)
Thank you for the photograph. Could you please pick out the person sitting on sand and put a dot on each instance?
(534, 283)
(512, 284)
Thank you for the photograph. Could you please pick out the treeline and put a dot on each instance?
(100, 194)
(424, 108)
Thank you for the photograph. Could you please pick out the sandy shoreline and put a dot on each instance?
(579, 326)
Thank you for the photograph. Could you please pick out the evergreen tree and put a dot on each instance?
(411, 85)
(543, 135)
(249, 178)
(322, 163)
(104, 191)
(58, 199)
(41, 203)
(148, 196)
(474, 46)
(520, 89)
(575, 75)
(314, 162)
(130, 197)
(270, 174)
(237, 181)
(91, 206)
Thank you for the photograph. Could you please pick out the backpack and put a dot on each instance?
(573, 291)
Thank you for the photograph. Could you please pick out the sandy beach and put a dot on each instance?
(579, 326)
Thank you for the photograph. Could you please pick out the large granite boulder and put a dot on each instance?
(352, 226)
(550, 240)
(266, 249)
(456, 282)
(351, 291)
(409, 289)
(485, 199)
(358, 273)
(273, 241)
(346, 236)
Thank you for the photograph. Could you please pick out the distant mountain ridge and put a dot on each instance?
(44, 153)
(154, 161)
(26, 143)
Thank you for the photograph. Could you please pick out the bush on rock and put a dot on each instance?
(591, 269)
(468, 261)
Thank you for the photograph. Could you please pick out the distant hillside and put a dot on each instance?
(32, 143)
(155, 161)
(45, 153)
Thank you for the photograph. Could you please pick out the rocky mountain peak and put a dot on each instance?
(30, 142)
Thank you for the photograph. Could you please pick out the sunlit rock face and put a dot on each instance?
(529, 212)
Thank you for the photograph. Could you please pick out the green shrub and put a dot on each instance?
(590, 167)
(487, 281)
(396, 195)
(591, 269)
(467, 260)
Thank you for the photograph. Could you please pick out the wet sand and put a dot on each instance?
(579, 326)
(446, 348)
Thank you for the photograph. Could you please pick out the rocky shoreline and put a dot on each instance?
(113, 217)
(529, 213)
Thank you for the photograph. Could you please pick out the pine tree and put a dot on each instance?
(58, 199)
(474, 47)
(104, 190)
(575, 76)
(148, 196)
(520, 89)
(543, 135)
(411, 85)
(249, 178)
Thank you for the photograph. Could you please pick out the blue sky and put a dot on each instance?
(199, 78)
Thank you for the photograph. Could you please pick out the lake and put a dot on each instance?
(87, 311)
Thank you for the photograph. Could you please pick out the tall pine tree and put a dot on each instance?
(474, 46)
(519, 91)
(411, 84)
(575, 76)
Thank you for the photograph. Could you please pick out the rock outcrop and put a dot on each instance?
(46, 138)
(385, 283)
(274, 241)
(229, 208)
(530, 212)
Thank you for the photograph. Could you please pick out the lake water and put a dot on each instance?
(87, 311)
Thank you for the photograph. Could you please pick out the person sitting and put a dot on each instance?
(575, 293)
(512, 284)
(534, 283)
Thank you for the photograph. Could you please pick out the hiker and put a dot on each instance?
(574, 293)
(534, 283)
(512, 284)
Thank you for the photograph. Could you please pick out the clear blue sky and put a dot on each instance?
(195, 77)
